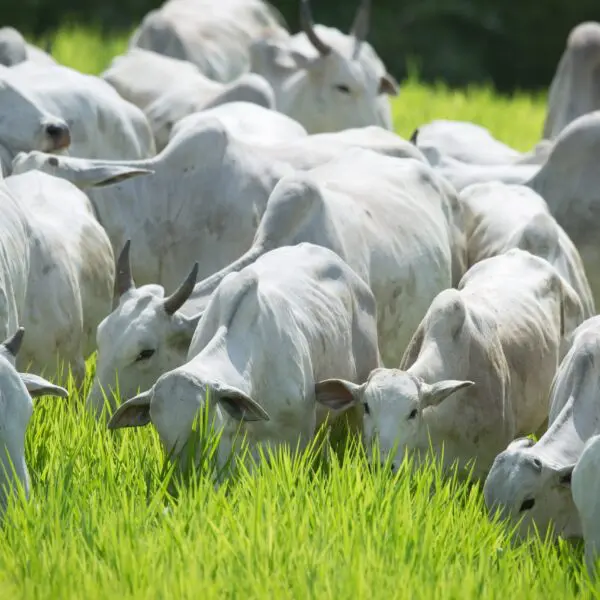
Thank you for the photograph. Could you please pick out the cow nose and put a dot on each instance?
(59, 134)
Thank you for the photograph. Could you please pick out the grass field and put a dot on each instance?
(96, 525)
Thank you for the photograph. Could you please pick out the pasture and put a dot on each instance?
(108, 519)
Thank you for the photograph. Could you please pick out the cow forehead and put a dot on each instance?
(391, 387)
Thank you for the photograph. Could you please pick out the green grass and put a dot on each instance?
(96, 525)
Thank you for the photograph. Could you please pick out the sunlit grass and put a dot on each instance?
(107, 518)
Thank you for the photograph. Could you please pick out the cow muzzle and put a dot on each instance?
(58, 134)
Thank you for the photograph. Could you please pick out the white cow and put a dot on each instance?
(215, 36)
(16, 393)
(61, 262)
(478, 370)
(391, 220)
(575, 88)
(530, 481)
(208, 191)
(270, 333)
(102, 124)
(26, 125)
(585, 487)
(14, 49)
(569, 182)
(326, 80)
(499, 217)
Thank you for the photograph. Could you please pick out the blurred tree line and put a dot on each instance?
(510, 43)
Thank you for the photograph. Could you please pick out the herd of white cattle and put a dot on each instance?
(279, 249)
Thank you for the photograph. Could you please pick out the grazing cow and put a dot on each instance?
(585, 487)
(16, 393)
(60, 260)
(326, 80)
(101, 123)
(215, 36)
(270, 333)
(30, 126)
(575, 89)
(391, 220)
(15, 50)
(499, 217)
(478, 369)
(529, 482)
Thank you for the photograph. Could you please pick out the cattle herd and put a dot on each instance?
(225, 212)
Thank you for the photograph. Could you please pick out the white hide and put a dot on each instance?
(585, 486)
(530, 481)
(499, 217)
(102, 124)
(270, 333)
(16, 408)
(478, 370)
(68, 276)
(215, 36)
(569, 182)
(575, 88)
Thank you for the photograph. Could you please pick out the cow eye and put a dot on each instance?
(144, 355)
(367, 409)
(413, 414)
(527, 504)
(340, 87)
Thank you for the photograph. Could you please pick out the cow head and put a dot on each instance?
(524, 487)
(25, 126)
(173, 403)
(326, 80)
(144, 337)
(393, 402)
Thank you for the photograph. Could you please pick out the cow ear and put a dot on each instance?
(337, 394)
(135, 412)
(434, 394)
(388, 85)
(563, 476)
(38, 386)
(240, 406)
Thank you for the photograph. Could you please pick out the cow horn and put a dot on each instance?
(123, 279)
(13, 344)
(308, 26)
(360, 27)
(176, 300)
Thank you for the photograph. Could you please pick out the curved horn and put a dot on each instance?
(176, 300)
(123, 279)
(308, 26)
(360, 27)
(13, 344)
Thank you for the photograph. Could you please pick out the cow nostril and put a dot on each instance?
(59, 134)
(54, 130)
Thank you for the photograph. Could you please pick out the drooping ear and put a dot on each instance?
(337, 394)
(240, 406)
(432, 395)
(563, 476)
(38, 386)
(184, 329)
(135, 412)
(388, 85)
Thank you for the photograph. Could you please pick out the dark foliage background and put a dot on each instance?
(510, 43)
